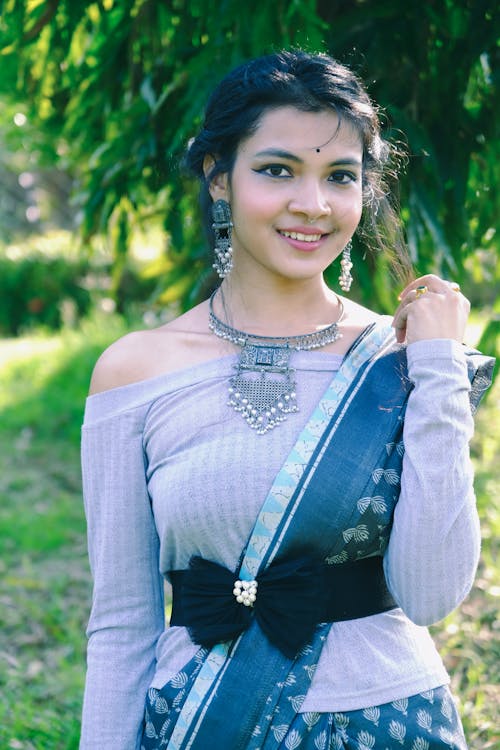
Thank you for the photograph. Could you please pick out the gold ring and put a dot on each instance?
(420, 290)
(455, 287)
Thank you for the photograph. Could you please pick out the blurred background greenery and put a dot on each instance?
(99, 233)
(99, 100)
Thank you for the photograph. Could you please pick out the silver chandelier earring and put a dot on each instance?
(222, 226)
(345, 278)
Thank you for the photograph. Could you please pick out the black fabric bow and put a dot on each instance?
(288, 605)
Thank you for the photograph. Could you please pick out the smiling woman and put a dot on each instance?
(310, 509)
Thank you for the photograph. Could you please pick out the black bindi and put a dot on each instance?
(318, 150)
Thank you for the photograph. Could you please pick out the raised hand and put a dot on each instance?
(431, 308)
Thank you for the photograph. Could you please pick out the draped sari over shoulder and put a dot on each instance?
(333, 499)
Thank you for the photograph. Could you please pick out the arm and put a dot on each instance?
(127, 611)
(434, 546)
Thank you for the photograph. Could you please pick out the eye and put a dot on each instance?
(274, 170)
(342, 177)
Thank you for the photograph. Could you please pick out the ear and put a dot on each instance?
(218, 186)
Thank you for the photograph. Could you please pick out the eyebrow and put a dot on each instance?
(281, 154)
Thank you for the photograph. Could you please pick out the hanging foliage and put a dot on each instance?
(118, 88)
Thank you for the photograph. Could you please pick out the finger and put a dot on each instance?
(421, 290)
(413, 299)
(420, 281)
(400, 317)
(413, 295)
(432, 282)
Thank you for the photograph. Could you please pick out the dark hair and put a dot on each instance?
(311, 83)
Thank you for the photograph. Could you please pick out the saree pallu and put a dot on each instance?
(333, 499)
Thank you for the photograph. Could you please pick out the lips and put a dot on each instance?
(305, 240)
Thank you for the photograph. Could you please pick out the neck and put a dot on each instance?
(290, 310)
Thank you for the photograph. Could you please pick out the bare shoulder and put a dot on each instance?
(122, 362)
(140, 355)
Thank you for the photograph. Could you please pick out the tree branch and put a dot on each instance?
(44, 19)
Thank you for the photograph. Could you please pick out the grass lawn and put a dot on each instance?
(44, 576)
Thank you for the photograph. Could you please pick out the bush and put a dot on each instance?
(34, 289)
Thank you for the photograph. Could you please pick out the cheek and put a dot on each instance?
(254, 207)
(350, 206)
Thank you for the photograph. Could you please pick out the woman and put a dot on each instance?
(295, 464)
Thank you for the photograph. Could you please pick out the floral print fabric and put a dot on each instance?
(428, 721)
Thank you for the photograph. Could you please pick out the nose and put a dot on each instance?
(310, 200)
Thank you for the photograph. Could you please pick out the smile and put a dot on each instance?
(301, 237)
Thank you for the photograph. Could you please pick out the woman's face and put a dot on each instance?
(295, 194)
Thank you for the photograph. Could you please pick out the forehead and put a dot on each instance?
(302, 133)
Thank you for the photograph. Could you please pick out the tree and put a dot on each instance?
(119, 87)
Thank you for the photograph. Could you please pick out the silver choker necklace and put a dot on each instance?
(263, 388)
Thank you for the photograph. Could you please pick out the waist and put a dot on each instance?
(288, 599)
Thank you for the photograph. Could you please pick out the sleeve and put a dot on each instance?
(127, 615)
(432, 556)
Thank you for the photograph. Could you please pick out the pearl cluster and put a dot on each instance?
(345, 278)
(262, 422)
(245, 592)
(224, 259)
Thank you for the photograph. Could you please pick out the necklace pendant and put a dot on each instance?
(263, 389)
(264, 358)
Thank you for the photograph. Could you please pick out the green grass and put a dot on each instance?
(44, 576)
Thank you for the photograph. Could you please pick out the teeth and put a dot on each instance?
(302, 237)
